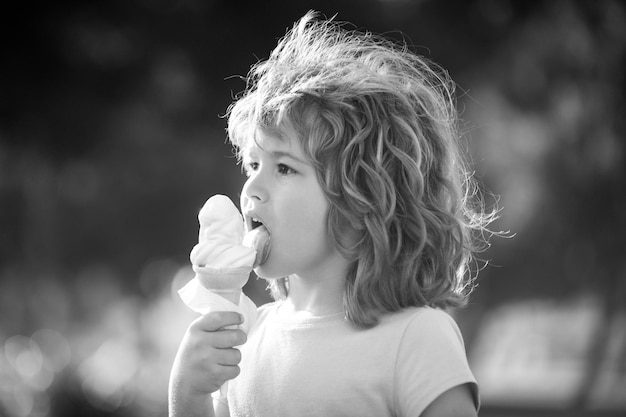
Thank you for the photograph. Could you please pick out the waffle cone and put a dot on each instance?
(226, 282)
(232, 296)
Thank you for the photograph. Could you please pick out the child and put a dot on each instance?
(349, 144)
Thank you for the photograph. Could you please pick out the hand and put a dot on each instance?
(206, 357)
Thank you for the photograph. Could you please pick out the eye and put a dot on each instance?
(285, 169)
(250, 167)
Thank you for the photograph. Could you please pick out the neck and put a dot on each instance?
(318, 294)
(312, 300)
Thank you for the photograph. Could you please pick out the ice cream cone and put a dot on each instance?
(221, 262)
(226, 282)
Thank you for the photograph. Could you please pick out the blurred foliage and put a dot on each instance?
(111, 139)
(557, 87)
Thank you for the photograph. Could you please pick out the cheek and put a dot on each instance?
(303, 222)
(311, 226)
(303, 225)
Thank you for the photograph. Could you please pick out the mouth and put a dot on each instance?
(252, 223)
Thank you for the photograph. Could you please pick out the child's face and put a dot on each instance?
(282, 191)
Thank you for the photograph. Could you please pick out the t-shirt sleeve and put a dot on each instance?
(431, 360)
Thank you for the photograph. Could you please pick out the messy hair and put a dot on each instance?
(379, 125)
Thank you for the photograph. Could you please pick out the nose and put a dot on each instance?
(255, 189)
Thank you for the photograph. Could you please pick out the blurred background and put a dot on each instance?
(111, 140)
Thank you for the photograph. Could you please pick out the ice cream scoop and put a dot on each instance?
(220, 237)
(220, 260)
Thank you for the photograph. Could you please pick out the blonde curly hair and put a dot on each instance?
(379, 125)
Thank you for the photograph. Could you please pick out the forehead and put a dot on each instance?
(274, 141)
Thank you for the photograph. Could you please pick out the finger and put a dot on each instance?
(226, 372)
(229, 338)
(228, 357)
(217, 320)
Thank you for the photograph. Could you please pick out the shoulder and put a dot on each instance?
(422, 322)
(430, 361)
(426, 315)
(431, 334)
(429, 320)
(418, 327)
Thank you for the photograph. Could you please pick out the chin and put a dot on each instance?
(269, 272)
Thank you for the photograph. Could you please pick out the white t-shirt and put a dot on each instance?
(324, 366)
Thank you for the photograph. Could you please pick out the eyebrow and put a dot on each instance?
(279, 154)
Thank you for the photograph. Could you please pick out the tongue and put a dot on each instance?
(259, 239)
